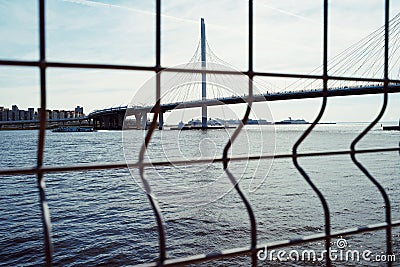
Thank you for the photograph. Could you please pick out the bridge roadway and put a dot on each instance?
(101, 115)
(345, 91)
(113, 118)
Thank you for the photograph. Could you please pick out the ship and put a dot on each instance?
(68, 129)
(290, 121)
(196, 124)
(391, 128)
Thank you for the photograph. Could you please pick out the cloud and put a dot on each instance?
(285, 12)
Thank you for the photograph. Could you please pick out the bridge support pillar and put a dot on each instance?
(144, 121)
(106, 121)
(160, 120)
(121, 118)
(138, 117)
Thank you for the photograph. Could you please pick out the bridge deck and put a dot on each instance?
(344, 91)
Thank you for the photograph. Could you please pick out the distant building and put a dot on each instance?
(15, 114)
(21, 115)
(7, 114)
(56, 114)
(3, 114)
(62, 114)
(31, 114)
(78, 112)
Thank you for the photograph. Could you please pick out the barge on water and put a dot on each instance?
(295, 121)
(197, 125)
(70, 129)
(391, 128)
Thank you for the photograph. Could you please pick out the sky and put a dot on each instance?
(287, 39)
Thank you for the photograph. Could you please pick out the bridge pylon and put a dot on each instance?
(203, 75)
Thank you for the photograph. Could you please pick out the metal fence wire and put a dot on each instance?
(39, 170)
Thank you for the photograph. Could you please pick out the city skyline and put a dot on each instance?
(287, 39)
(16, 114)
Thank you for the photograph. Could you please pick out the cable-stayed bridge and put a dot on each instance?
(112, 118)
(201, 85)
